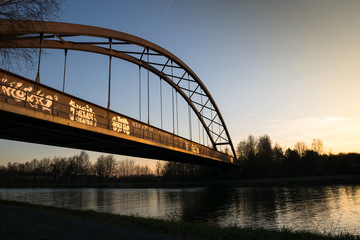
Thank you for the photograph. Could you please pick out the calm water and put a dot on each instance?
(327, 208)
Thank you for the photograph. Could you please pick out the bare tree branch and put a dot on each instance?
(39, 10)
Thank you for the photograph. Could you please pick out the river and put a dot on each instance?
(330, 209)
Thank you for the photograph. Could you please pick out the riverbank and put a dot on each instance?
(163, 183)
(28, 221)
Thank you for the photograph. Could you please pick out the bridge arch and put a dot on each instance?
(54, 35)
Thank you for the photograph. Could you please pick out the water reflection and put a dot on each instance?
(325, 208)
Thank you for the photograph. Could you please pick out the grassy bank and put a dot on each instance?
(181, 229)
(164, 183)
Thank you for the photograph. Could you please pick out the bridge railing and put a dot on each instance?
(38, 97)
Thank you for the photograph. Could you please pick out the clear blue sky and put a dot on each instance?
(289, 69)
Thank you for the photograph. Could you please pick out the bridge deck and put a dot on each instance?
(36, 113)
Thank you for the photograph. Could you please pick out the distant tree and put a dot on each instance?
(142, 171)
(251, 147)
(58, 168)
(291, 163)
(182, 170)
(263, 147)
(71, 170)
(311, 161)
(99, 167)
(3, 174)
(241, 151)
(83, 164)
(317, 146)
(246, 150)
(264, 156)
(34, 167)
(301, 148)
(227, 151)
(159, 168)
(44, 166)
(126, 168)
(110, 166)
(278, 153)
(78, 166)
(105, 166)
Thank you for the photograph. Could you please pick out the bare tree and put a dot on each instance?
(126, 168)
(145, 170)
(159, 168)
(241, 151)
(83, 163)
(99, 167)
(246, 150)
(263, 147)
(44, 166)
(110, 165)
(317, 146)
(301, 148)
(278, 153)
(142, 170)
(59, 166)
(39, 10)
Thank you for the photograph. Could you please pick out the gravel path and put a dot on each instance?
(26, 223)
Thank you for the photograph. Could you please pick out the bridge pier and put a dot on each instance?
(229, 173)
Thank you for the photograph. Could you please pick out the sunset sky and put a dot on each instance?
(289, 69)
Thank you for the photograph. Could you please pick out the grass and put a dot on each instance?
(187, 230)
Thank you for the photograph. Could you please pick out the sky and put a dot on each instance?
(288, 69)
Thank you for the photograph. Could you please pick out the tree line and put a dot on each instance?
(75, 169)
(106, 169)
(258, 158)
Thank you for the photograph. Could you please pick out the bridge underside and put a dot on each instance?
(33, 112)
(28, 129)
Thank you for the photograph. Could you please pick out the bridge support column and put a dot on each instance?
(229, 173)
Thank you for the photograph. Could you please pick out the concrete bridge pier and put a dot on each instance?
(229, 173)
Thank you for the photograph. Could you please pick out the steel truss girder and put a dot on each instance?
(10, 30)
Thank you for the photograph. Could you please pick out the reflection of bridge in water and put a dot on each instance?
(33, 112)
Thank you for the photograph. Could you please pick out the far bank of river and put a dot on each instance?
(165, 183)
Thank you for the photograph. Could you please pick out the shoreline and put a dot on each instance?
(88, 224)
(261, 182)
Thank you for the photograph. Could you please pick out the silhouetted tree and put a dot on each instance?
(301, 148)
(158, 168)
(58, 168)
(142, 171)
(110, 166)
(279, 158)
(246, 151)
(311, 163)
(127, 168)
(180, 170)
(317, 146)
(264, 156)
(292, 162)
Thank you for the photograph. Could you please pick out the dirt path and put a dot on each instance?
(26, 223)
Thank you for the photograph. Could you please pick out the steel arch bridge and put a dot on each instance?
(115, 44)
